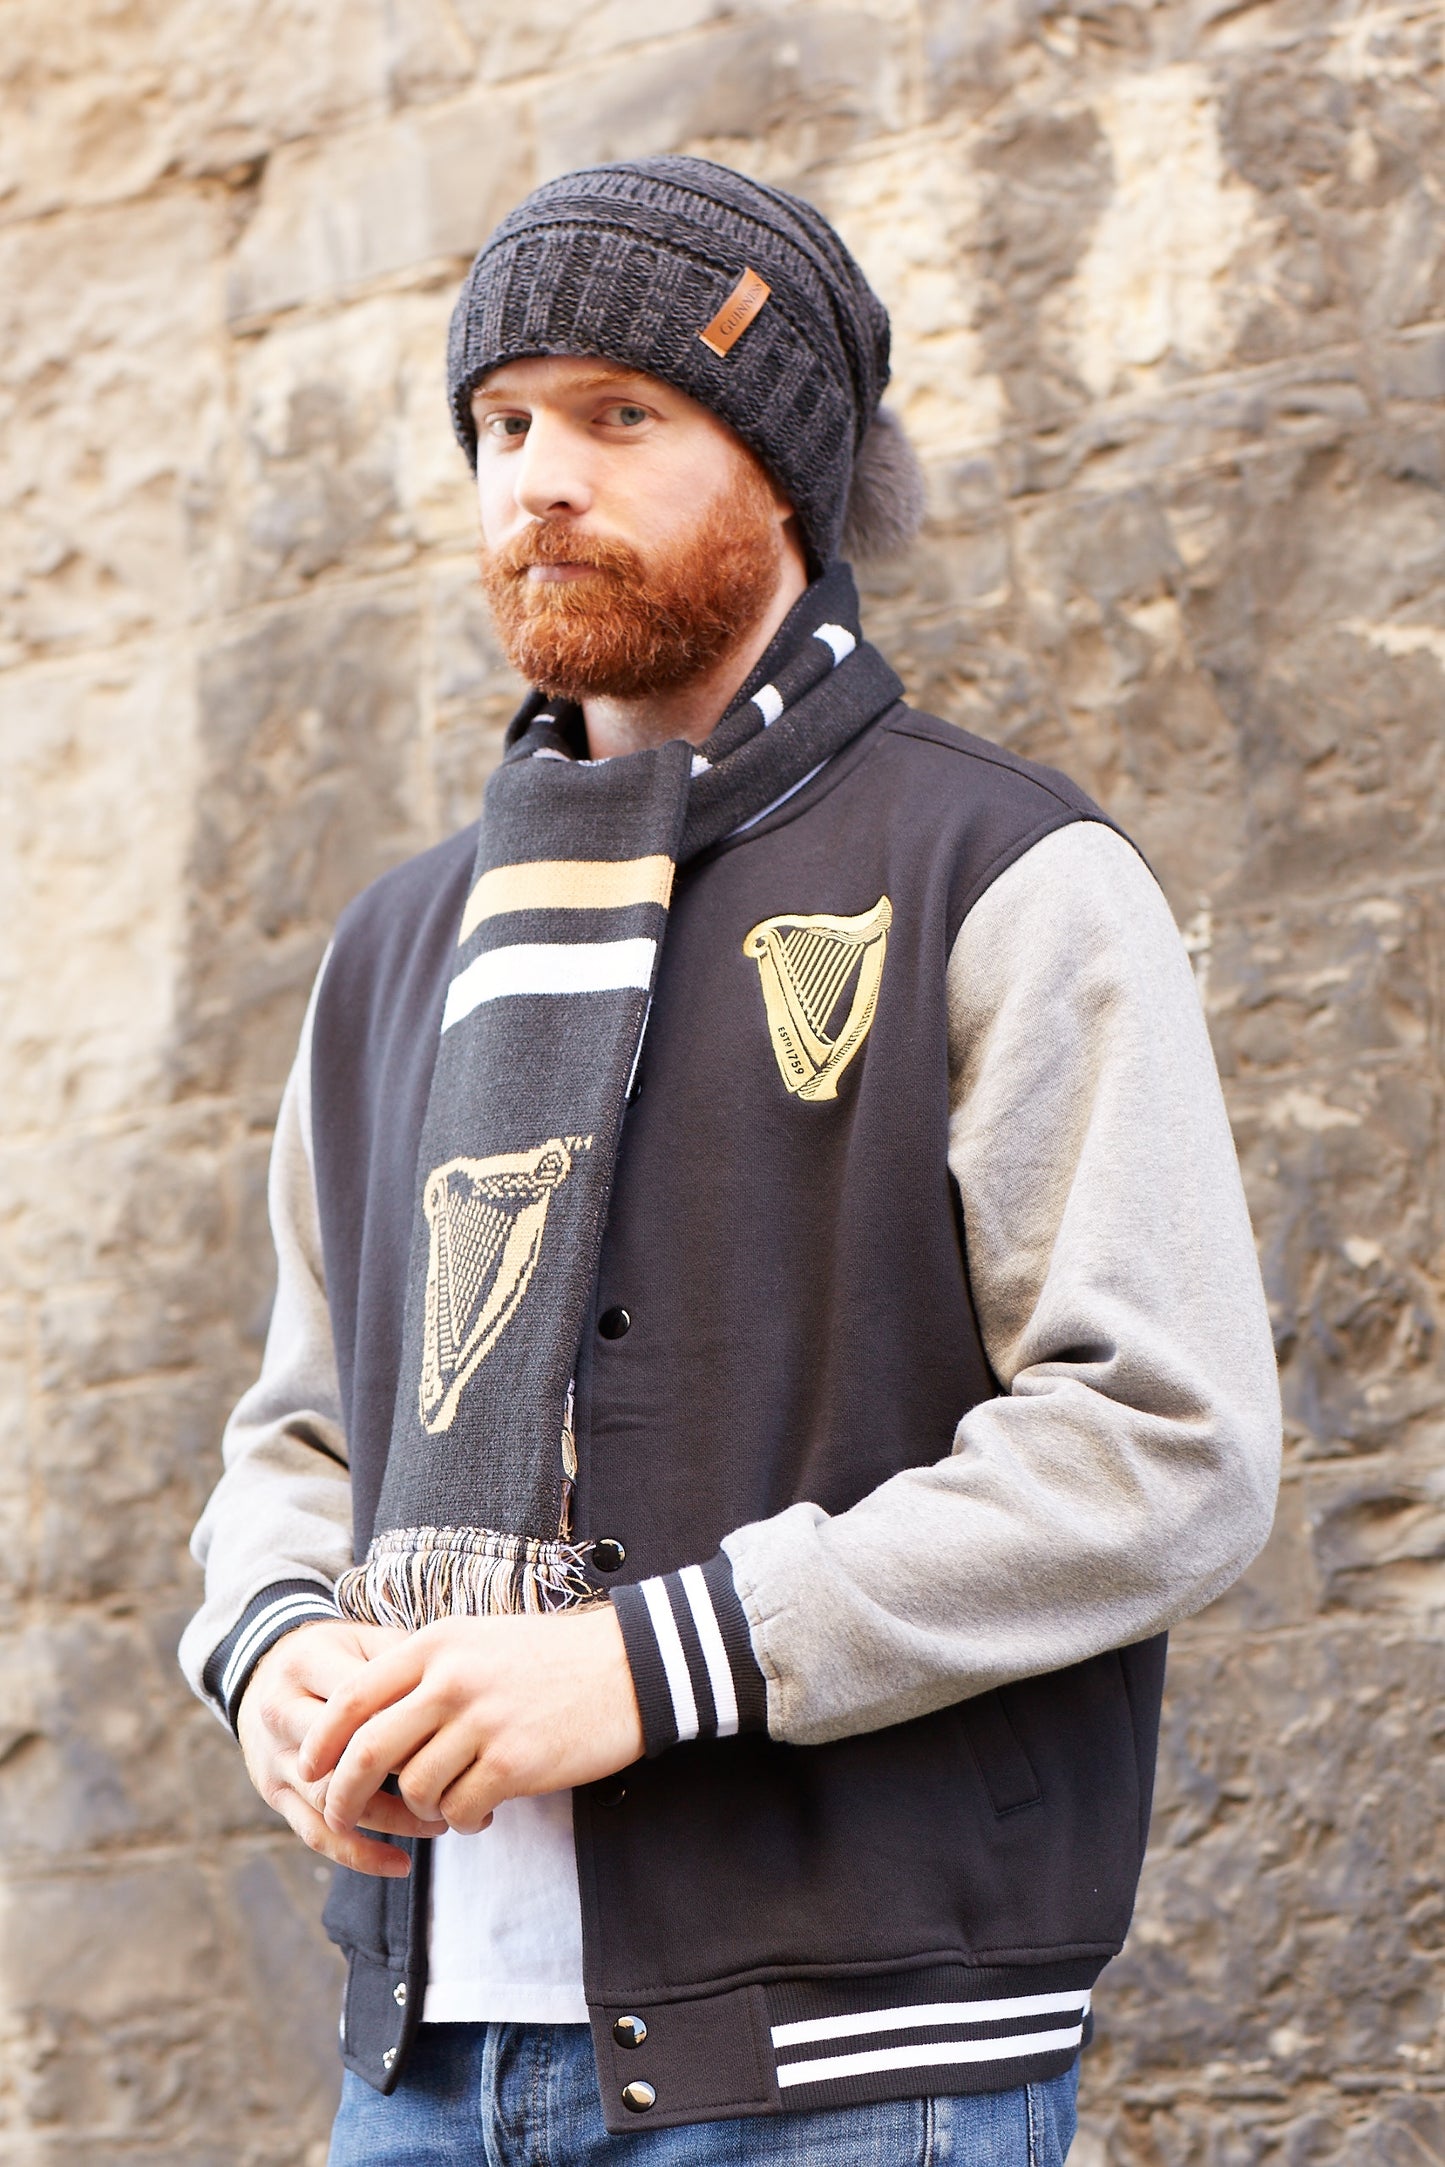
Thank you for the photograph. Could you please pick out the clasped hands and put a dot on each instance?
(465, 1714)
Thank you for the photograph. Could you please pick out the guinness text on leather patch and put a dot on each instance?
(736, 313)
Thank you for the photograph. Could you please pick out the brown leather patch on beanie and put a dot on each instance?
(736, 313)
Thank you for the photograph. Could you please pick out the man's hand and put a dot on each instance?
(287, 1691)
(472, 1711)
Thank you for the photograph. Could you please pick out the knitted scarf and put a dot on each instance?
(556, 958)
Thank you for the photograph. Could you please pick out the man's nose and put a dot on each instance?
(552, 472)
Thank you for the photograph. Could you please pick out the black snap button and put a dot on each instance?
(629, 2031)
(610, 1794)
(609, 1555)
(639, 2097)
(614, 1323)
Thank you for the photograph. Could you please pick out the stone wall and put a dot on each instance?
(1169, 291)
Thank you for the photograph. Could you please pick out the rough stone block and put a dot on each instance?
(336, 212)
(464, 752)
(151, 1187)
(1284, 1859)
(308, 723)
(1309, 403)
(104, 101)
(914, 220)
(292, 1977)
(830, 79)
(434, 482)
(558, 33)
(1323, 986)
(973, 50)
(144, 1458)
(1379, 1538)
(346, 456)
(1348, 1242)
(88, 996)
(15, 1413)
(88, 1723)
(110, 385)
(1134, 715)
(139, 2039)
(318, 484)
(119, 1945)
(1415, 368)
(1044, 179)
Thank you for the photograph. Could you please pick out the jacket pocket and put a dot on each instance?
(1008, 1773)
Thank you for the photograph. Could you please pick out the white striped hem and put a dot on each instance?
(549, 967)
(839, 638)
(769, 703)
(811, 2029)
(831, 2067)
(286, 1610)
(714, 1654)
(674, 1661)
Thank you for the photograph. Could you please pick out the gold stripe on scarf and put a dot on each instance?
(567, 884)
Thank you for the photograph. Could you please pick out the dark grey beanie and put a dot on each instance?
(634, 261)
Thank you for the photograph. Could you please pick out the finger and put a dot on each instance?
(482, 1780)
(364, 1694)
(447, 1757)
(318, 1659)
(383, 1813)
(363, 1854)
(468, 1804)
(288, 1711)
(388, 1741)
(391, 1816)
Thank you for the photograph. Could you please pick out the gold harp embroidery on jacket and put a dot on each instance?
(486, 1218)
(806, 966)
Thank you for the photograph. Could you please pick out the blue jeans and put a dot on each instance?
(525, 2095)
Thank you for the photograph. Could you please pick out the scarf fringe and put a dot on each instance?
(411, 1576)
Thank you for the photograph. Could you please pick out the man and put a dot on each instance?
(767, 1333)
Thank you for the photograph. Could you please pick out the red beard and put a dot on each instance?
(630, 628)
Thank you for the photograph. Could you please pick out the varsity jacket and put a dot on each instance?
(912, 1416)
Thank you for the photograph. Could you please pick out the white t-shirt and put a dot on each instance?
(505, 1940)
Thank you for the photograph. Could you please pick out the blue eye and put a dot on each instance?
(630, 416)
(507, 425)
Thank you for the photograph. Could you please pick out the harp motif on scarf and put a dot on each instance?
(486, 1218)
(807, 966)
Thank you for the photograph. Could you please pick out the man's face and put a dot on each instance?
(629, 538)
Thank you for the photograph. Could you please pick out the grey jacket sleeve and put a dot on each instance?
(1126, 1473)
(276, 1532)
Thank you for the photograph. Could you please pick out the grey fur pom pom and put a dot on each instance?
(886, 497)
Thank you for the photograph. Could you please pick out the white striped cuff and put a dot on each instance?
(267, 1618)
(691, 1654)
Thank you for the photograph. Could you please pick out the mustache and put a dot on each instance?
(545, 543)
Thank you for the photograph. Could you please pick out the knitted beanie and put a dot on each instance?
(738, 294)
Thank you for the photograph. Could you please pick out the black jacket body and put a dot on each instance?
(801, 1328)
